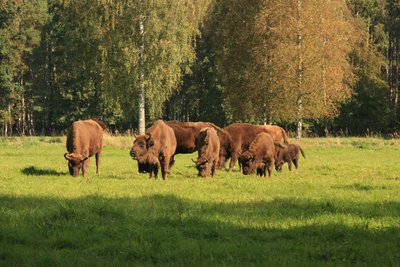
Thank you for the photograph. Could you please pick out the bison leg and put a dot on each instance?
(270, 167)
(234, 158)
(98, 162)
(166, 163)
(155, 170)
(290, 165)
(164, 167)
(221, 162)
(171, 163)
(296, 163)
(85, 167)
(260, 171)
(214, 167)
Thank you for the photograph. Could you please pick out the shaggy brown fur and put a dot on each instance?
(259, 157)
(242, 134)
(207, 143)
(186, 134)
(155, 149)
(85, 139)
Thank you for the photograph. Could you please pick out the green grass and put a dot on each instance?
(342, 208)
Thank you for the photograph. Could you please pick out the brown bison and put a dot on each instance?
(288, 154)
(207, 143)
(259, 157)
(187, 132)
(85, 139)
(155, 149)
(241, 135)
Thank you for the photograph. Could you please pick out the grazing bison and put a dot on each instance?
(288, 154)
(242, 134)
(259, 157)
(155, 149)
(186, 134)
(207, 143)
(85, 139)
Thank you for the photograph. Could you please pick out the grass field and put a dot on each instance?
(342, 208)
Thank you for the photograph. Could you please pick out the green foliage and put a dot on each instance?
(368, 111)
(200, 97)
(222, 61)
(170, 29)
(333, 211)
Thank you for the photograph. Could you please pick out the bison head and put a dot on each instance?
(248, 163)
(203, 166)
(139, 148)
(278, 166)
(75, 162)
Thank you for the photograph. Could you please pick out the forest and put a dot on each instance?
(315, 67)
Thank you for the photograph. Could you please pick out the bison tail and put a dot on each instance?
(302, 152)
(102, 124)
(285, 137)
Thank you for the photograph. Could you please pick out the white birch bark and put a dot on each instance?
(142, 99)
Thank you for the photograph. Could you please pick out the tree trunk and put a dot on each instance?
(31, 126)
(23, 116)
(299, 118)
(10, 120)
(299, 77)
(141, 101)
(51, 85)
(397, 74)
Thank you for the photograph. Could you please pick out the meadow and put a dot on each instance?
(341, 208)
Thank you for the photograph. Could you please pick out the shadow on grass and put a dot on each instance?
(169, 231)
(32, 170)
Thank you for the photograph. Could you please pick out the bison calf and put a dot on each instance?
(259, 157)
(84, 140)
(288, 154)
(207, 143)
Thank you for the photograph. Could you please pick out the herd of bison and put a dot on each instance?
(257, 148)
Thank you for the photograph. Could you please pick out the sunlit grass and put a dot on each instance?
(341, 208)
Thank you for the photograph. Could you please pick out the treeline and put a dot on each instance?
(314, 66)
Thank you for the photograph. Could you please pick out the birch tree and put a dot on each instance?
(157, 40)
(290, 59)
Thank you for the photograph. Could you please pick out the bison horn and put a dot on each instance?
(67, 156)
(194, 161)
(84, 158)
(148, 136)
